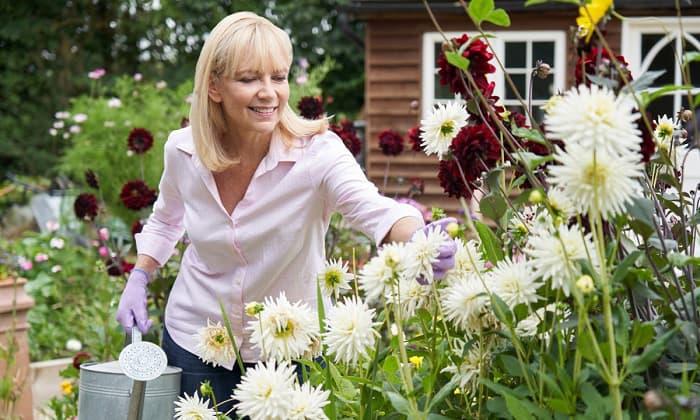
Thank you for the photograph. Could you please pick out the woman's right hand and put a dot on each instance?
(133, 308)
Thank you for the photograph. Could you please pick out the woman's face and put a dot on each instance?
(252, 101)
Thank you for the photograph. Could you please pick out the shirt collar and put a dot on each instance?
(278, 152)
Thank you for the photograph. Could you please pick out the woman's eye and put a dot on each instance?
(279, 78)
(246, 80)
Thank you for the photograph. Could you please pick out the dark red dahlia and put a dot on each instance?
(648, 146)
(184, 122)
(390, 142)
(80, 358)
(310, 107)
(347, 133)
(136, 195)
(136, 227)
(414, 138)
(478, 55)
(118, 267)
(476, 150)
(85, 206)
(91, 179)
(598, 62)
(140, 140)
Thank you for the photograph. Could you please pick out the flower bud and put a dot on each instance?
(452, 229)
(653, 400)
(543, 70)
(205, 389)
(253, 308)
(536, 197)
(585, 284)
(685, 115)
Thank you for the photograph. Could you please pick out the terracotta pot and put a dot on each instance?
(13, 298)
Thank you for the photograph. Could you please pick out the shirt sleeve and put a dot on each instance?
(348, 191)
(164, 226)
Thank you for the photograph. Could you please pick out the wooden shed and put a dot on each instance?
(401, 46)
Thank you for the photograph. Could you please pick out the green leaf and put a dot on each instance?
(643, 82)
(490, 244)
(641, 212)
(501, 310)
(493, 206)
(229, 330)
(649, 97)
(529, 134)
(499, 17)
(320, 307)
(641, 362)
(511, 365)
(624, 267)
(517, 409)
(398, 402)
(480, 9)
(560, 405)
(444, 392)
(457, 60)
(690, 57)
(597, 406)
(642, 334)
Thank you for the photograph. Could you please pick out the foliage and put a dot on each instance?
(102, 143)
(49, 47)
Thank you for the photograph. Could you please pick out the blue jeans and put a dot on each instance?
(195, 371)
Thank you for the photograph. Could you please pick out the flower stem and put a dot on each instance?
(405, 365)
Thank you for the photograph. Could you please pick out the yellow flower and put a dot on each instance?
(67, 387)
(253, 308)
(587, 21)
(416, 361)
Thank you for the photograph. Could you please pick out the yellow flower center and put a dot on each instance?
(447, 128)
(284, 329)
(595, 175)
(333, 278)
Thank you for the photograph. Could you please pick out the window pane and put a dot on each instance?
(543, 51)
(694, 66)
(538, 113)
(542, 89)
(437, 50)
(519, 81)
(515, 54)
(442, 92)
(661, 106)
(664, 59)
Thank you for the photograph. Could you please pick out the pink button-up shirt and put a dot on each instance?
(272, 242)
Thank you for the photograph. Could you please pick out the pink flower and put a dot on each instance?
(41, 257)
(103, 251)
(52, 225)
(25, 264)
(138, 77)
(97, 73)
(103, 233)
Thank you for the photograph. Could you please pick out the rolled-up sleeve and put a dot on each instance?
(164, 226)
(348, 191)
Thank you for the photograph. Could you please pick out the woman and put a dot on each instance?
(253, 185)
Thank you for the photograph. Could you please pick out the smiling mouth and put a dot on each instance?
(264, 111)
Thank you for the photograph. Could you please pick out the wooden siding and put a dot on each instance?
(393, 55)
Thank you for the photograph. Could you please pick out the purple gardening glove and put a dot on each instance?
(446, 258)
(133, 303)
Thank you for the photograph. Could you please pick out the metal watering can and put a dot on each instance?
(138, 386)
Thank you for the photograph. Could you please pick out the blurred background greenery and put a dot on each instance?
(49, 47)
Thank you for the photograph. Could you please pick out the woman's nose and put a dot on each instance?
(266, 90)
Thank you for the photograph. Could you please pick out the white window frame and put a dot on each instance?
(632, 31)
(429, 67)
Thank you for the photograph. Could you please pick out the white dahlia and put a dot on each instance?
(560, 203)
(193, 408)
(335, 278)
(413, 295)
(266, 392)
(384, 270)
(597, 182)
(470, 366)
(554, 256)
(441, 127)
(465, 301)
(596, 119)
(214, 345)
(284, 330)
(308, 403)
(423, 251)
(350, 333)
(663, 133)
(468, 260)
(514, 283)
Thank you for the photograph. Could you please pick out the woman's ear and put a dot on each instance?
(213, 90)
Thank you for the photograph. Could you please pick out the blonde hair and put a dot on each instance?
(240, 39)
